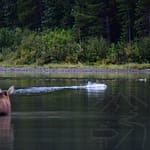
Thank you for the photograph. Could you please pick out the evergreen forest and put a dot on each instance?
(72, 31)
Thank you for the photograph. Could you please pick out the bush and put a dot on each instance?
(57, 44)
(50, 47)
(11, 39)
(132, 52)
(27, 47)
(26, 57)
(144, 50)
(112, 56)
(6, 38)
(95, 49)
(120, 53)
(31, 42)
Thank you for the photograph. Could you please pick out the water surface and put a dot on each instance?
(64, 112)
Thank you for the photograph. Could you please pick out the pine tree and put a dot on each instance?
(8, 13)
(126, 18)
(67, 19)
(28, 13)
(57, 13)
(52, 14)
(89, 18)
(110, 17)
(2, 22)
(142, 22)
(48, 18)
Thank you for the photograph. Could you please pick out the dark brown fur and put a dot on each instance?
(5, 105)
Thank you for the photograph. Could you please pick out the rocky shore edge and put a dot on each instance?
(71, 70)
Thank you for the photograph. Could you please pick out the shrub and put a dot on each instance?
(25, 56)
(6, 37)
(95, 49)
(117, 53)
(11, 39)
(57, 44)
(132, 52)
(112, 56)
(144, 50)
(27, 47)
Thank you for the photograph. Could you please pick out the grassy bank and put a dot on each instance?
(80, 65)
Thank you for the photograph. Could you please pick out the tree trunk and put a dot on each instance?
(108, 28)
(149, 22)
(129, 26)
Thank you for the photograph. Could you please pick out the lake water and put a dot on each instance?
(77, 112)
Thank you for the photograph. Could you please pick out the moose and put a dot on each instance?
(5, 104)
(6, 131)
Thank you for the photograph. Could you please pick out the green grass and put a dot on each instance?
(80, 65)
(124, 66)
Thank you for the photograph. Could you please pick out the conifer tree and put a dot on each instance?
(57, 13)
(8, 13)
(110, 19)
(28, 13)
(126, 18)
(142, 22)
(89, 18)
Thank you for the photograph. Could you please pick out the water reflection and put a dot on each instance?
(78, 117)
(125, 129)
(6, 133)
(118, 124)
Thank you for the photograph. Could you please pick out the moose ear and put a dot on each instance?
(11, 90)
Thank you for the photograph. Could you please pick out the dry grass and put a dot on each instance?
(80, 65)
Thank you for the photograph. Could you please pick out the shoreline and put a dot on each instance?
(71, 70)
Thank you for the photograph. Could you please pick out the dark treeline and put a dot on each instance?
(123, 22)
(111, 19)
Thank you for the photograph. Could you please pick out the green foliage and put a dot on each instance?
(123, 52)
(6, 38)
(57, 13)
(144, 50)
(47, 47)
(116, 53)
(28, 13)
(8, 13)
(113, 20)
(126, 16)
(132, 52)
(11, 39)
(31, 42)
(88, 18)
(142, 21)
(25, 56)
(57, 46)
(73, 54)
(94, 49)
(29, 48)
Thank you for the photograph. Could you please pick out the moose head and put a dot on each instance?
(5, 105)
